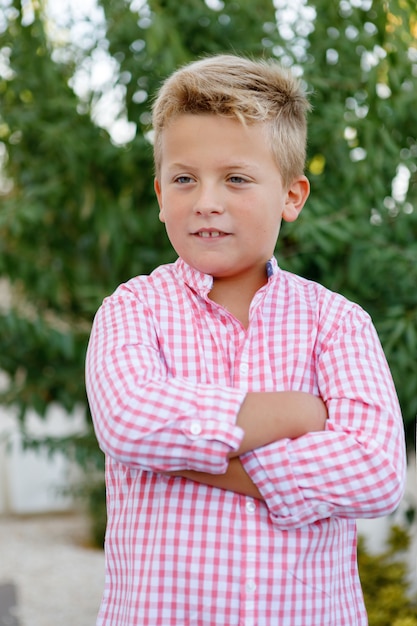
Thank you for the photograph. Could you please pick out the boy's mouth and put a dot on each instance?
(210, 233)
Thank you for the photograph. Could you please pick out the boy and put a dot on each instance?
(248, 415)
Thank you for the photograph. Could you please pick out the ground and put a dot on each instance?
(47, 562)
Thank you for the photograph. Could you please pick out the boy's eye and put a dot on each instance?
(183, 180)
(237, 180)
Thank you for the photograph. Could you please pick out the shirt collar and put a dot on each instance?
(202, 283)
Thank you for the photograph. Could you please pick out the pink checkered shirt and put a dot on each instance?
(167, 371)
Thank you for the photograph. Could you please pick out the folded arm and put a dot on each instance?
(356, 467)
(265, 417)
(144, 417)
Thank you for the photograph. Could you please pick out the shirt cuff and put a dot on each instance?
(211, 442)
(278, 485)
(211, 429)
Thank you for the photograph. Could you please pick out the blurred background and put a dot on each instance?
(78, 216)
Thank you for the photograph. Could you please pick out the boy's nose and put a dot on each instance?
(208, 201)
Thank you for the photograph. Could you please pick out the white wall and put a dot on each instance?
(30, 481)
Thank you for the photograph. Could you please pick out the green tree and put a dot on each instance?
(358, 234)
(385, 580)
(78, 214)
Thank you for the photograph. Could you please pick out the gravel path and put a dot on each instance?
(58, 578)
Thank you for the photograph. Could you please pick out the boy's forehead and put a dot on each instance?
(194, 140)
(240, 126)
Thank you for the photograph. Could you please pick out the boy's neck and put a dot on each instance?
(236, 295)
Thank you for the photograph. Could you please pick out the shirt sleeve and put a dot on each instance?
(356, 467)
(143, 417)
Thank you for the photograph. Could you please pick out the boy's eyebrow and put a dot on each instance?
(226, 165)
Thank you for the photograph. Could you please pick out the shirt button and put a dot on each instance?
(250, 506)
(244, 368)
(250, 586)
(195, 428)
(323, 509)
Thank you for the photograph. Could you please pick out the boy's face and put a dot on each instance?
(221, 196)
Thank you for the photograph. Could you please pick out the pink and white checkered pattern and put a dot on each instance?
(167, 370)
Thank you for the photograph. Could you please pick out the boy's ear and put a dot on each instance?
(157, 188)
(297, 195)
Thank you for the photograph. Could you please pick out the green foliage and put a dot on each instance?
(358, 234)
(385, 582)
(80, 215)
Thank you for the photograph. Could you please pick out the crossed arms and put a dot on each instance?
(264, 417)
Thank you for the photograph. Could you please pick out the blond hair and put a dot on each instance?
(251, 91)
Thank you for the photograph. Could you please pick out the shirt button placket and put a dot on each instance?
(244, 368)
(250, 506)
